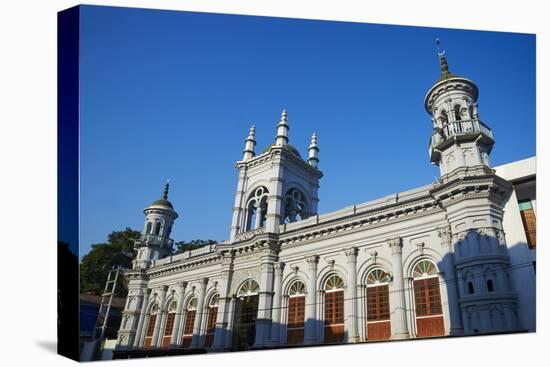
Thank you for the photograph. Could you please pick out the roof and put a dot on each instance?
(163, 203)
(287, 147)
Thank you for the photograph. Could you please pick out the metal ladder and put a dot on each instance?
(106, 300)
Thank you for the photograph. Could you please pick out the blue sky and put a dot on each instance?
(173, 94)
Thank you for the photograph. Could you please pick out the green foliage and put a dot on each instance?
(183, 246)
(95, 266)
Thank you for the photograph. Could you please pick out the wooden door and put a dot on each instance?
(211, 326)
(168, 330)
(530, 226)
(334, 317)
(429, 312)
(188, 329)
(378, 313)
(296, 317)
(150, 330)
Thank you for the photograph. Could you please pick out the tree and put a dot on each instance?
(95, 266)
(183, 246)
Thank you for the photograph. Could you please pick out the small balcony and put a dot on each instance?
(458, 130)
(153, 240)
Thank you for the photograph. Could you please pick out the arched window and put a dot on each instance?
(211, 322)
(427, 300)
(157, 228)
(334, 309)
(378, 305)
(457, 112)
(470, 288)
(295, 206)
(169, 324)
(150, 326)
(248, 288)
(296, 313)
(256, 209)
(490, 285)
(191, 313)
(149, 227)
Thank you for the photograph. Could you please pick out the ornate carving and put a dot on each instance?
(395, 244)
(351, 252)
(312, 261)
(420, 246)
(374, 256)
(249, 234)
(444, 233)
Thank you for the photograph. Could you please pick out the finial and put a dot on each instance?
(249, 144)
(166, 188)
(442, 59)
(282, 130)
(313, 149)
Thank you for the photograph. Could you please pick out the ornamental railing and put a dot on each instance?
(154, 240)
(459, 128)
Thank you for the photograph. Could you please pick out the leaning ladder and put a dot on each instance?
(106, 301)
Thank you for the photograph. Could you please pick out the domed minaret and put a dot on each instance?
(155, 242)
(460, 142)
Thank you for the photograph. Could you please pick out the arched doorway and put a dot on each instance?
(378, 305)
(296, 313)
(150, 326)
(334, 309)
(171, 316)
(190, 314)
(246, 313)
(211, 322)
(427, 300)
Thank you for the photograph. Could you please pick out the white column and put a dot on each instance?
(230, 322)
(310, 330)
(139, 332)
(351, 302)
(448, 267)
(160, 313)
(265, 301)
(224, 301)
(179, 310)
(277, 298)
(195, 341)
(274, 199)
(397, 297)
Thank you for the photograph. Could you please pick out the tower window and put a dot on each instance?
(157, 228)
(490, 285)
(149, 228)
(470, 288)
(256, 209)
(295, 206)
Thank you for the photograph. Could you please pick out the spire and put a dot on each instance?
(166, 188)
(313, 152)
(282, 130)
(445, 73)
(249, 144)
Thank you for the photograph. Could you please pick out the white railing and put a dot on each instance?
(249, 234)
(456, 128)
(155, 240)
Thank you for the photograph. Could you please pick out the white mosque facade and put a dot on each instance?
(452, 258)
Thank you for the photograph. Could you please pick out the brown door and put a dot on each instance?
(378, 312)
(168, 330)
(245, 332)
(334, 317)
(188, 329)
(150, 330)
(296, 315)
(429, 313)
(211, 326)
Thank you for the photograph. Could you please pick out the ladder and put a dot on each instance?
(106, 300)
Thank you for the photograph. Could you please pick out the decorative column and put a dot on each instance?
(139, 332)
(230, 321)
(265, 301)
(160, 314)
(224, 301)
(177, 318)
(397, 296)
(274, 199)
(196, 340)
(351, 303)
(276, 321)
(310, 330)
(448, 268)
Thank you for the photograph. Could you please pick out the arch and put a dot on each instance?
(169, 324)
(378, 304)
(333, 287)
(190, 315)
(369, 265)
(290, 278)
(327, 271)
(157, 228)
(151, 322)
(427, 299)
(149, 229)
(296, 312)
(212, 312)
(295, 205)
(256, 208)
(249, 287)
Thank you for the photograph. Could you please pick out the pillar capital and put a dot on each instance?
(444, 233)
(351, 253)
(182, 285)
(279, 267)
(396, 245)
(312, 261)
(203, 282)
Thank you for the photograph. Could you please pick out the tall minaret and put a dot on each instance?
(155, 242)
(460, 142)
(250, 144)
(313, 151)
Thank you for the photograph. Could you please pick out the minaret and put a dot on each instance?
(155, 242)
(282, 130)
(460, 142)
(249, 145)
(313, 150)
